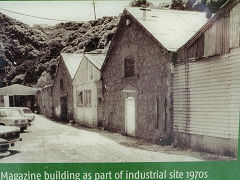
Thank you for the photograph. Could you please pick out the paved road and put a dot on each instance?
(49, 141)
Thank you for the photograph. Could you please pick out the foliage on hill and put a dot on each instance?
(194, 5)
(29, 55)
(198, 5)
(140, 3)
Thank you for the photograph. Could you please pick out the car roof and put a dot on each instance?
(14, 108)
(5, 129)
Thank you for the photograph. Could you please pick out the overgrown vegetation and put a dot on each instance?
(140, 3)
(197, 5)
(29, 55)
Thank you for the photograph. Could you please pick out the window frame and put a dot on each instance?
(61, 84)
(129, 66)
(79, 97)
(87, 97)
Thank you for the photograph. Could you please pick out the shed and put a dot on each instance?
(18, 95)
(207, 85)
(62, 92)
(87, 91)
(137, 71)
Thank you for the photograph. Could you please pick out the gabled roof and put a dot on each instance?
(18, 89)
(228, 5)
(171, 28)
(96, 59)
(72, 62)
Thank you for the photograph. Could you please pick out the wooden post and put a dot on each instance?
(94, 10)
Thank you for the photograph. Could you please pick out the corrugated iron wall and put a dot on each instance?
(207, 98)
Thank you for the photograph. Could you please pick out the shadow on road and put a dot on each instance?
(25, 132)
(8, 153)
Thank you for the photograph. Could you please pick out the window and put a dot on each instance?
(128, 22)
(87, 97)
(99, 100)
(79, 98)
(129, 66)
(61, 85)
(91, 73)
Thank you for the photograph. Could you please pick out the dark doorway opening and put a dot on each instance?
(64, 110)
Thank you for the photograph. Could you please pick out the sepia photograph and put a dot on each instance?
(119, 81)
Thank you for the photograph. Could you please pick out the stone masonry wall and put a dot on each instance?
(44, 99)
(150, 86)
(62, 73)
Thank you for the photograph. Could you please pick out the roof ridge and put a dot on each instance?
(169, 10)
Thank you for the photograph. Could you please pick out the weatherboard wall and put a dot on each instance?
(207, 103)
(87, 78)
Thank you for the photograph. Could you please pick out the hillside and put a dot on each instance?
(29, 55)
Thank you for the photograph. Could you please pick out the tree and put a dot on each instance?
(198, 5)
(140, 3)
(214, 5)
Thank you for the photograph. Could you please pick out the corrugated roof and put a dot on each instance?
(18, 89)
(172, 28)
(96, 59)
(72, 62)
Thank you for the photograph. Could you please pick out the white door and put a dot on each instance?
(130, 116)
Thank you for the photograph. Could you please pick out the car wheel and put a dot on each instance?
(21, 129)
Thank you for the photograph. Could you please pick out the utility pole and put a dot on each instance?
(94, 10)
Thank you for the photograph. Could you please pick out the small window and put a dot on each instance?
(91, 73)
(61, 85)
(128, 22)
(79, 98)
(129, 66)
(99, 100)
(87, 97)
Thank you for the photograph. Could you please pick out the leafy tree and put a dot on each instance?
(140, 3)
(215, 5)
(177, 4)
(198, 5)
(33, 52)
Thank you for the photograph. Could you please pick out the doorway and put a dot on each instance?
(64, 110)
(130, 121)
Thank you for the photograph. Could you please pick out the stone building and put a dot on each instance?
(137, 71)
(44, 99)
(62, 92)
(87, 91)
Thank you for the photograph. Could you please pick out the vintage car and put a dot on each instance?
(13, 117)
(26, 112)
(8, 136)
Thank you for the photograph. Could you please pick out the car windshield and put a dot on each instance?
(27, 111)
(12, 113)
